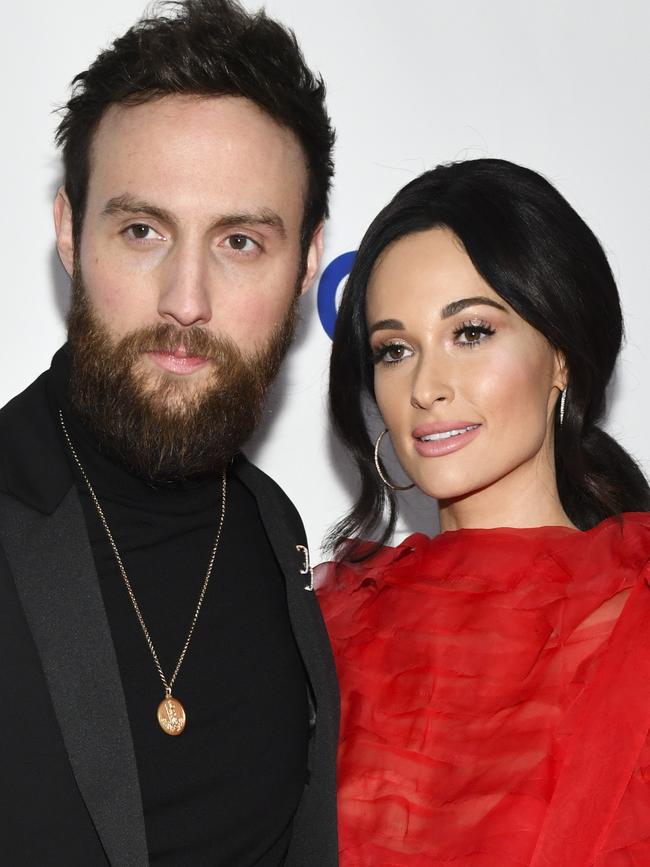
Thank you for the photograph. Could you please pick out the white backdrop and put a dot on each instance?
(559, 86)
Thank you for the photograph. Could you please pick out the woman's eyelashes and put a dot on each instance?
(473, 333)
(470, 334)
(391, 352)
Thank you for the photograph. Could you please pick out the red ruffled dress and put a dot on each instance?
(495, 689)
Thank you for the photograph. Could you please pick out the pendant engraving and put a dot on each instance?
(171, 716)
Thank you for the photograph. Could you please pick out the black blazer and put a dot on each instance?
(68, 780)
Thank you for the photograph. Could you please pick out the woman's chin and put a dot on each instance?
(447, 491)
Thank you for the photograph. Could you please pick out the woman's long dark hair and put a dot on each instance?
(535, 251)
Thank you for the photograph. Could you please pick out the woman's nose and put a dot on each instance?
(430, 384)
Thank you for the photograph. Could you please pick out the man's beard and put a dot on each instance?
(162, 426)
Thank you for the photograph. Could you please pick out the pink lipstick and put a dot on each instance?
(442, 438)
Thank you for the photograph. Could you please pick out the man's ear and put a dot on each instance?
(314, 256)
(63, 228)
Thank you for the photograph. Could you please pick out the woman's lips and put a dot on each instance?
(438, 439)
(178, 361)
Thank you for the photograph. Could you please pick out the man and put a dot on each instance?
(168, 692)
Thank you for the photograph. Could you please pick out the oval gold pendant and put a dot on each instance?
(171, 716)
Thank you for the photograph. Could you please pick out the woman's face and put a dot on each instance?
(466, 387)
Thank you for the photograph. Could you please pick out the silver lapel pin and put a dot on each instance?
(306, 566)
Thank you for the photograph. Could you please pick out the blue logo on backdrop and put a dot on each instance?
(331, 278)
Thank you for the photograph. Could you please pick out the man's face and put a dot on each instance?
(191, 232)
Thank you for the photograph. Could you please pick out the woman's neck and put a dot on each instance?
(520, 499)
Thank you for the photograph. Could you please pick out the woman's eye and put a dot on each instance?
(142, 232)
(473, 333)
(392, 353)
(241, 243)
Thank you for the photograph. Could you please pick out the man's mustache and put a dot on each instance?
(169, 338)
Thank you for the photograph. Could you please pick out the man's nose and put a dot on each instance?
(184, 297)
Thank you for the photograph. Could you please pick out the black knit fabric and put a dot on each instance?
(225, 791)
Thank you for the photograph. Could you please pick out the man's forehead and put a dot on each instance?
(212, 118)
(187, 145)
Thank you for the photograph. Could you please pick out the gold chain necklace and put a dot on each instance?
(171, 713)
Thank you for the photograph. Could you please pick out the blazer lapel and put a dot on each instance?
(55, 575)
(287, 537)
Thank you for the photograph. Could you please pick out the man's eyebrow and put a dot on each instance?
(265, 217)
(456, 306)
(386, 325)
(126, 204)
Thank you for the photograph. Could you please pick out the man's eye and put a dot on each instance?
(142, 232)
(241, 243)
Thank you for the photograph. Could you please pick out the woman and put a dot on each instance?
(495, 680)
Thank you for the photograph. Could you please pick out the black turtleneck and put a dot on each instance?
(224, 792)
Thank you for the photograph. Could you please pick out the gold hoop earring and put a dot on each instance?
(378, 467)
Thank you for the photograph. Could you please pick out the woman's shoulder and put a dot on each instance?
(369, 564)
(624, 538)
(466, 573)
(621, 539)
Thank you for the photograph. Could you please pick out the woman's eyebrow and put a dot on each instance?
(456, 306)
(386, 325)
(448, 310)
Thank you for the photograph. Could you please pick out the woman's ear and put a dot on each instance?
(560, 372)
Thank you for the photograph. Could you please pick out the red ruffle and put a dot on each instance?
(469, 665)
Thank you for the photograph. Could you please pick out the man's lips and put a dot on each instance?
(178, 360)
(441, 438)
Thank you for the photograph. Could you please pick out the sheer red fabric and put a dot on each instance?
(495, 689)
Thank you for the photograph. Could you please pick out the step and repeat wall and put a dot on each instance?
(560, 87)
